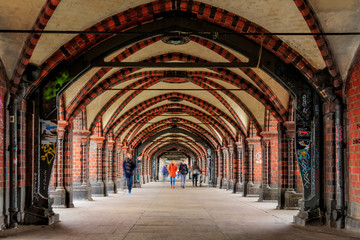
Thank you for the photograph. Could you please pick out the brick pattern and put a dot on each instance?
(68, 158)
(196, 145)
(32, 40)
(131, 18)
(146, 104)
(283, 160)
(152, 76)
(314, 25)
(21, 151)
(140, 122)
(329, 151)
(353, 129)
(267, 100)
(147, 132)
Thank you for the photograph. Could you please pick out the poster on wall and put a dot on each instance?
(47, 153)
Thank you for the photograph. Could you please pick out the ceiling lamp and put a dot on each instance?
(175, 39)
(174, 99)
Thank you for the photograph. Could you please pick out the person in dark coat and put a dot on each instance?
(183, 169)
(129, 166)
(195, 170)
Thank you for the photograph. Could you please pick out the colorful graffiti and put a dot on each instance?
(304, 160)
(48, 152)
(303, 132)
(303, 146)
(52, 89)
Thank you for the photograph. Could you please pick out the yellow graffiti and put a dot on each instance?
(48, 152)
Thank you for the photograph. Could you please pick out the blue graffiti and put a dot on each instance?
(304, 158)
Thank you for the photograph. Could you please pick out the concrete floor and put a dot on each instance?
(157, 212)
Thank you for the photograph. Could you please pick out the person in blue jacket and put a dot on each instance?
(129, 166)
(165, 172)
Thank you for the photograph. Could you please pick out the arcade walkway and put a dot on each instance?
(158, 212)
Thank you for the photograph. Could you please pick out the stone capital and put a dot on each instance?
(62, 124)
(62, 129)
(99, 140)
(269, 135)
(253, 140)
(81, 133)
(290, 129)
(84, 140)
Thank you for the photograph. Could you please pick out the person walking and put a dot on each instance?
(165, 172)
(183, 171)
(129, 166)
(195, 171)
(172, 173)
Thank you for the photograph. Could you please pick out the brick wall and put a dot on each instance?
(353, 138)
(274, 153)
(329, 151)
(258, 162)
(21, 143)
(92, 161)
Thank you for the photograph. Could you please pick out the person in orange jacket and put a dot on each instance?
(172, 173)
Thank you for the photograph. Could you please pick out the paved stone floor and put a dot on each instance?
(157, 212)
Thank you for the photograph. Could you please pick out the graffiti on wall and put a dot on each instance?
(54, 87)
(304, 138)
(258, 157)
(47, 153)
(303, 134)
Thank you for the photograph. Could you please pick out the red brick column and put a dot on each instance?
(81, 189)
(231, 162)
(220, 167)
(217, 164)
(254, 164)
(353, 144)
(238, 168)
(110, 164)
(59, 193)
(95, 163)
(290, 138)
(270, 156)
(60, 155)
(225, 162)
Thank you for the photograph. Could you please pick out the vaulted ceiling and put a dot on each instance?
(156, 99)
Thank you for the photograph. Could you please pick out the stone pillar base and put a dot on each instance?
(224, 183)
(143, 179)
(311, 217)
(239, 187)
(352, 224)
(137, 185)
(117, 185)
(81, 192)
(268, 193)
(292, 200)
(253, 189)
(34, 219)
(36, 215)
(229, 185)
(281, 198)
(219, 182)
(2, 223)
(110, 187)
(59, 196)
(98, 189)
